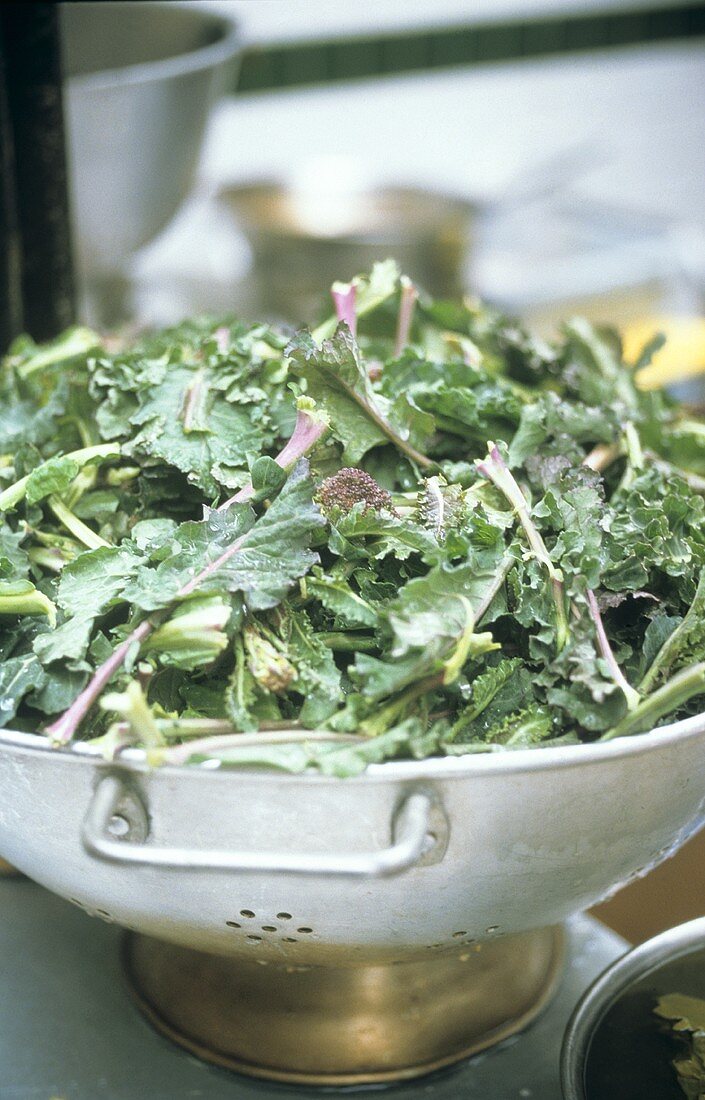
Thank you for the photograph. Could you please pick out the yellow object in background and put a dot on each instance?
(681, 357)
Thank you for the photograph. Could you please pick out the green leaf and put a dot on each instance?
(337, 380)
(317, 676)
(267, 477)
(14, 563)
(365, 533)
(184, 552)
(18, 676)
(336, 595)
(522, 729)
(89, 586)
(53, 476)
(241, 694)
(58, 690)
(275, 552)
(435, 607)
(351, 760)
(574, 510)
(498, 693)
(187, 422)
(684, 645)
(485, 687)
(595, 372)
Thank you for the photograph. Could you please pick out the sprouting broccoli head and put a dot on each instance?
(350, 486)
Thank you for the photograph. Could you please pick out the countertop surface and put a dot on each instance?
(68, 1030)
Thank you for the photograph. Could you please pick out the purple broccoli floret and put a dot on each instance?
(350, 486)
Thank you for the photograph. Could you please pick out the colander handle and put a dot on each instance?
(116, 815)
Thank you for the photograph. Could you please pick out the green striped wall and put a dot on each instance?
(357, 58)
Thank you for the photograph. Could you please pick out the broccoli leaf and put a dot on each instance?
(18, 676)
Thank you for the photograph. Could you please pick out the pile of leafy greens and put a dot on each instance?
(298, 550)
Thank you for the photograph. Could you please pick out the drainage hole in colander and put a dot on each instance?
(268, 928)
(283, 916)
(304, 930)
(492, 928)
(233, 924)
(457, 935)
(246, 913)
(288, 939)
(103, 913)
(254, 939)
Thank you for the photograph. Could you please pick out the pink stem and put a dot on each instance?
(307, 432)
(222, 338)
(344, 301)
(194, 583)
(409, 294)
(632, 696)
(62, 731)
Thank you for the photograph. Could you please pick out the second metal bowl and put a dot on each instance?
(615, 1048)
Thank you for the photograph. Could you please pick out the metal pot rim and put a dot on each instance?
(191, 61)
(441, 208)
(635, 964)
(517, 761)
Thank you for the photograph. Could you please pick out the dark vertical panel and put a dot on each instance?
(33, 81)
(10, 272)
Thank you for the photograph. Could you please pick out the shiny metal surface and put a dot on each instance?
(534, 836)
(303, 239)
(112, 806)
(68, 1029)
(321, 1025)
(615, 981)
(141, 78)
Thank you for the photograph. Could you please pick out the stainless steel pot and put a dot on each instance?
(308, 235)
(660, 965)
(141, 79)
(417, 865)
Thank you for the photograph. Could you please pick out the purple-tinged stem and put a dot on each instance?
(307, 431)
(343, 295)
(222, 338)
(633, 698)
(63, 730)
(409, 294)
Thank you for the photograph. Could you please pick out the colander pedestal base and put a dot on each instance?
(344, 1025)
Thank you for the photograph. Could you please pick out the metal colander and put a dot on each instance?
(386, 903)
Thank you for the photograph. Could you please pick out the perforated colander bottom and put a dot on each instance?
(344, 1025)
